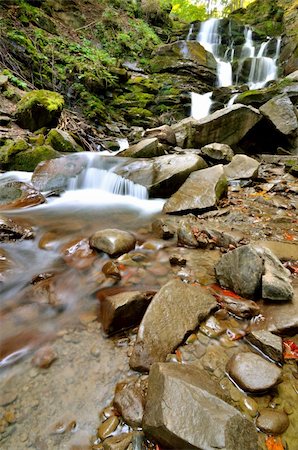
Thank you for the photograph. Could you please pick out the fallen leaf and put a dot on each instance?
(225, 292)
(288, 236)
(178, 355)
(290, 349)
(273, 443)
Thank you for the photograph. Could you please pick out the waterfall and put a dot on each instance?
(253, 67)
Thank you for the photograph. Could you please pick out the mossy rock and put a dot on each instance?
(29, 159)
(39, 109)
(62, 141)
(11, 148)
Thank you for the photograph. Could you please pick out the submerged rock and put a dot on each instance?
(202, 190)
(241, 167)
(123, 310)
(118, 442)
(163, 175)
(240, 270)
(272, 421)
(112, 241)
(39, 109)
(10, 230)
(252, 373)
(175, 310)
(185, 409)
(268, 343)
(16, 194)
(129, 401)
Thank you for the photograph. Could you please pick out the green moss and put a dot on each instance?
(62, 141)
(10, 149)
(258, 97)
(29, 159)
(39, 108)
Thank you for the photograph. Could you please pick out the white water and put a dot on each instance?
(200, 105)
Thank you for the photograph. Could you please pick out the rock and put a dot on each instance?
(281, 113)
(268, 343)
(285, 251)
(123, 310)
(129, 401)
(184, 408)
(275, 279)
(202, 190)
(44, 357)
(29, 159)
(55, 174)
(10, 230)
(272, 421)
(10, 149)
(227, 126)
(108, 427)
(5, 120)
(240, 307)
(241, 167)
(184, 132)
(240, 270)
(164, 134)
(252, 373)
(176, 303)
(119, 442)
(112, 241)
(62, 141)
(147, 148)
(3, 81)
(163, 229)
(39, 109)
(16, 194)
(218, 153)
(163, 175)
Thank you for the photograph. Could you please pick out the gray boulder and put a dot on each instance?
(162, 176)
(241, 270)
(227, 126)
(147, 148)
(252, 373)
(202, 190)
(241, 167)
(218, 153)
(164, 134)
(185, 410)
(267, 343)
(281, 113)
(160, 332)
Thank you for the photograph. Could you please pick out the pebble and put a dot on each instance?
(108, 427)
(10, 416)
(33, 373)
(249, 405)
(24, 437)
(271, 421)
(7, 398)
(95, 351)
(44, 357)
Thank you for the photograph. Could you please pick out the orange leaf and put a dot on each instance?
(178, 355)
(273, 443)
(290, 349)
(288, 236)
(225, 292)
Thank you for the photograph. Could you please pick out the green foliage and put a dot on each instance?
(15, 80)
(188, 10)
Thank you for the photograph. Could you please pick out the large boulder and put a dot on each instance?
(29, 159)
(62, 141)
(227, 126)
(202, 190)
(164, 134)
(147, 148)
(185, 410)
(16, 194)
(217, 153)
(160, 332)
(241, 167)
(39, 109)
(280, 111)
(163, 175)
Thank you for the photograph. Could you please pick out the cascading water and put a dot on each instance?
(253, 64)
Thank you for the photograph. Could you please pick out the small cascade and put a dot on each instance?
(200, 105)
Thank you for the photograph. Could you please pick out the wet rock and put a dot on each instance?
(252, 373)
(163, 228)
(129, 400)
(241, 167)
(112, 241)
(174, 311)
(285, 251)
(202, 190)
(124, 310)
(275, 279)
(108, 427)
(39, 109)
(164, 134)
(111, 269)
(55, 174)
(272, 421)
(240, 307)
(16, 194)
(240, 270)
(227, 126)
(162, 175)
(147, 148)
(268, 343)
(10, 230)
(217, 153)
(281, 113)
(44, 357)
(62, 141)
(184, 407)
(119, 442)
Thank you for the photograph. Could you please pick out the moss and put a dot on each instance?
(62, 141)
(10, 149)
(29, 159)
(39, 108)
(257, 97)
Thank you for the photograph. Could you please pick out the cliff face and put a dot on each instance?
(289, 53)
